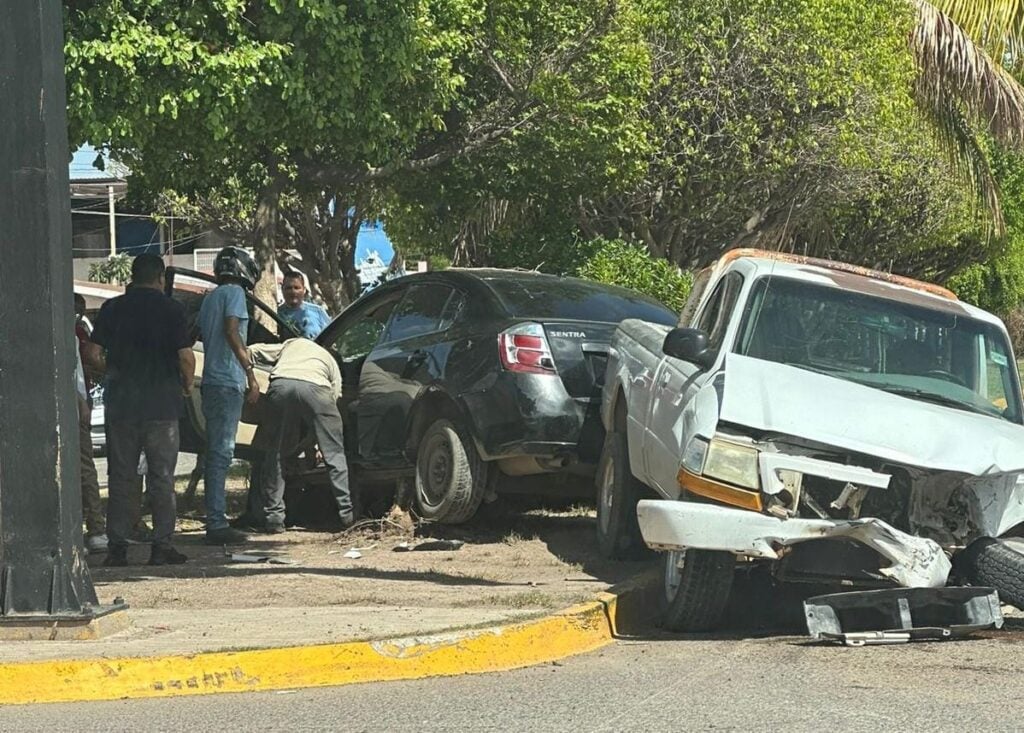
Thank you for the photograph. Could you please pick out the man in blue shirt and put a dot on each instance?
(308, 319)
(228, 379)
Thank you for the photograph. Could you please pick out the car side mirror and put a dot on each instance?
(689, 344)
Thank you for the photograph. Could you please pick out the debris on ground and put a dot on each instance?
(430, 546)
(258, 558)
(900, 615)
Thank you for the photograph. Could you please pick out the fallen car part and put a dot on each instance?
(897, 615)
(676, 525)
(430, 545)
(252, 558)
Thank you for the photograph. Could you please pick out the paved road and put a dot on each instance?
(659, 684)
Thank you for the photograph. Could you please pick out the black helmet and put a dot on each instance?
(235, 262)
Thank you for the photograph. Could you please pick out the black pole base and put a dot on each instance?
(94, 622)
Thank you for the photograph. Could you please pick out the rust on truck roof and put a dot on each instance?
(844, 267)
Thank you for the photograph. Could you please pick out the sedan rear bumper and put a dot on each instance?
(915, 562)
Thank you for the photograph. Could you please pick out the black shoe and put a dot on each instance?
(117, 557)
(225, 536)
(271, 528)
(164, 555)
(246, 523)
(347, 520)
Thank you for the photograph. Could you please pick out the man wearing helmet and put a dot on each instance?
(228, 379)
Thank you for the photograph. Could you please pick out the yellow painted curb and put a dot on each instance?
(575, 630)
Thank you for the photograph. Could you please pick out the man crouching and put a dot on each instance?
(305, 385)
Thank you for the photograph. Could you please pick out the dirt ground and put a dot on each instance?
(517, 554)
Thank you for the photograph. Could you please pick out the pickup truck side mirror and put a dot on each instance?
(689, 344)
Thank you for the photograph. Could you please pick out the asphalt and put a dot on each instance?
(656, 683)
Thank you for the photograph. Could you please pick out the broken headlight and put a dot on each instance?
(693, 456)
(732, 463)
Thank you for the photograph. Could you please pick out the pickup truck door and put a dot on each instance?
(676, 383)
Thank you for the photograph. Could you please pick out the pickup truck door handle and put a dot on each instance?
(666, 377)
(642, 378)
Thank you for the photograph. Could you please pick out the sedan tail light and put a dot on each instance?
(524, 348)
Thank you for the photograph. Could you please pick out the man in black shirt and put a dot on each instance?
(149, 364)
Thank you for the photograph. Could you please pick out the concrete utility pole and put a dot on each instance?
(44, 581)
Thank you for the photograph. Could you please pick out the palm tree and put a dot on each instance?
(965, 51)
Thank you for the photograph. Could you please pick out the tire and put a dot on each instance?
(696, 587)
(451, 479)
(618, 491)
(992, 563)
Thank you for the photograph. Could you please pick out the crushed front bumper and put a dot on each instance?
(915, 562)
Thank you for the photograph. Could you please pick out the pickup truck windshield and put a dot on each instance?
(926, 354)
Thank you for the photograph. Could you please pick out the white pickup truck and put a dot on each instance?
(848, 426)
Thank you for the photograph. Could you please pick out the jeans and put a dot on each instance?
(290, 404)
(126, 439)
(222, 409)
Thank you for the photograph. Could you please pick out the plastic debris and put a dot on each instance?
(353, 554)
(430, 545)
(252, 558)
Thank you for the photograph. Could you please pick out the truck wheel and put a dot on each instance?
(618, 491)
(697, 585)
(992, 563)
(451, 480)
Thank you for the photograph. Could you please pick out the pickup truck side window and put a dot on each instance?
(714, 319)
(700, 284)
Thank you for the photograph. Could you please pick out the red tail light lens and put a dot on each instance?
(524, 348)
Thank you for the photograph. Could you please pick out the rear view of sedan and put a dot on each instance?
(466, 380)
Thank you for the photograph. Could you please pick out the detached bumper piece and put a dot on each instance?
(900, 615)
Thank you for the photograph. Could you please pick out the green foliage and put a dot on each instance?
(438, 262)
(620, 263)
(996, 281)
(116, 269)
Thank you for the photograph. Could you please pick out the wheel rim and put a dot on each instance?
(606, 495)
(674, 562)
(436, 471)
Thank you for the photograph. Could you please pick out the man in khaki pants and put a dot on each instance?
(305, 386)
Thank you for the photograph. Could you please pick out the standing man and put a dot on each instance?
(92, 505)
(305, 386)
(308, 319)
(228, 380)
(149, 364)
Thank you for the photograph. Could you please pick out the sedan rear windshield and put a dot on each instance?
(926, 354)
(579, 300)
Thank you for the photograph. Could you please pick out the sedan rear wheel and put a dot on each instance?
(451, 480)
(697, 584)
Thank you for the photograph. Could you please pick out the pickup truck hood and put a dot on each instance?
(774, 397)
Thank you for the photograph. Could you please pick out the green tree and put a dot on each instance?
(311, 107)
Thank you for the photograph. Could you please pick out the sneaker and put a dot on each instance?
(226, 536)
(166, 555)
(117, 557)
(272, 528)
(96, 543)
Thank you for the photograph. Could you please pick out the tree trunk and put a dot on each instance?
(264, 244)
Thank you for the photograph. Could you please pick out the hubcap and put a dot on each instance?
(437, 470)
(674, 561)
